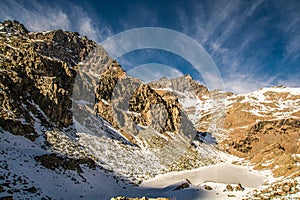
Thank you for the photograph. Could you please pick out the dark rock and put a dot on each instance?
(7, 198)
(239, 187)
(207, 187)
(183, 185)
(54, 161)
(229, 188)
(31, 189)
(14, 27)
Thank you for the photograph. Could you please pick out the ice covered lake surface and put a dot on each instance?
(220, 173)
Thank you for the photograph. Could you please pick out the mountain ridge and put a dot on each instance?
(82, 115)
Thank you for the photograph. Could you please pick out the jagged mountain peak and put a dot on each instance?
(13, 27)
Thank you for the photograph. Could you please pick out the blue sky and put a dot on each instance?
(254, 43)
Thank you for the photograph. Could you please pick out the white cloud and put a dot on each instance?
(207, 22)
(35, 16)
(245, 83)
(223, 28)
(217, 48)
(293, 46)
(154, 71)
(290, 28)
(38, 16)
(87, 26)
(291, 81)
(254, 6)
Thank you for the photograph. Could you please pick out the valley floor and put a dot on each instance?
(22, 177)
(220, 181)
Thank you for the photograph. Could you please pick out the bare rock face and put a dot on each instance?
(265, 133)
(143, 101)
(128, 104)
(125, 102)
(182, 84)
(13, 28)
(271, 142)
(105, 89)
(36, 77)
(278, 190)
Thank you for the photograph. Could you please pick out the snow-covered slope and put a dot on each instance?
(276, 102)
(23, 177)
(243, 110)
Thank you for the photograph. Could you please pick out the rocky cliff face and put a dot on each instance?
(39, 69)
(127, 104)
(263, 127)
(271, 145)
(147, 117)
(37, 73)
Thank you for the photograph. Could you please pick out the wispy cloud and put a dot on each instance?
(240, 37)
(39, 16)
(293, 47)
(254, 7)
(242, 83)
(35, 16)
(291, 81)
(88, 26)
(292, 33)
(290, 28)
(154, 71)
(217, 48)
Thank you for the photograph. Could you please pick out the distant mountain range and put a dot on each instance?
(75, 125)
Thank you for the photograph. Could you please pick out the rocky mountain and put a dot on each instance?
(46, 80)
(37, 73)
(262, 124)
(262, 127)
(74, 125)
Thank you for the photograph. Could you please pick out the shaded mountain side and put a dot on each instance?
(36, 83)
(148, 118)
(119, 97)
